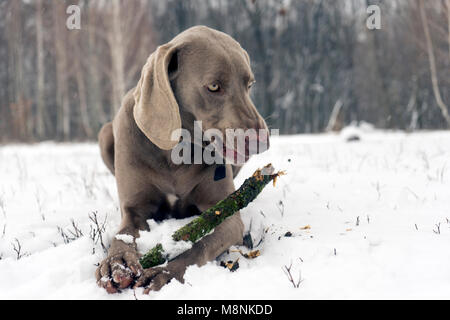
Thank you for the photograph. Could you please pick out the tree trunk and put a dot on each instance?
(94, 88)
(40, 87)
(18, 103)
(431, 59)
(82, 98)
(63, 105)
(116, 42)
(448, 26)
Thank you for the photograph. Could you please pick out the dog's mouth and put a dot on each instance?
(234, 156)
(239, 153)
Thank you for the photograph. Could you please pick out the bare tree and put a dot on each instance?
(40, 73)
(19, 105)
(309, 58)
(116, 39)
(94, 45)
(448, 27)
(62, 94)
(128, 35)
(431, 59)
(76, 55)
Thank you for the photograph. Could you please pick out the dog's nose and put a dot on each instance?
(257, 140)
(263, 140)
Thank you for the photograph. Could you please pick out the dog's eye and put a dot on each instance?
(213, 87)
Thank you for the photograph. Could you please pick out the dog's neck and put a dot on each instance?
(159, 159)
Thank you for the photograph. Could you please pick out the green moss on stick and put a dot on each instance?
(153, 257)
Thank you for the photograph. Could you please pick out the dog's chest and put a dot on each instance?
(183, 180)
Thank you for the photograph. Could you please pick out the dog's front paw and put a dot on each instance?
(153, 279)
(119, 269)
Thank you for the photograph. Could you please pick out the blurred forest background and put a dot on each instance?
(314, 60)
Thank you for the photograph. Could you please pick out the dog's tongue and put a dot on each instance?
(235, 157)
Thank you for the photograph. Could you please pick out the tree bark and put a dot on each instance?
(63, 105)
(448, 26)
(85, 123)
(18, 104)
(117, 50)
(40, 86)
(95, 99)
(431, 60)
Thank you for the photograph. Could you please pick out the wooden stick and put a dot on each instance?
(215, 215)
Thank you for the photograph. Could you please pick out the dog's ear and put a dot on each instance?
(156, 110)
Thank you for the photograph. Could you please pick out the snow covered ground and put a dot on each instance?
(369, 219)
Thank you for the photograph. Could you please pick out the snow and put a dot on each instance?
(161, 233)
(127, 238)
(378, 211)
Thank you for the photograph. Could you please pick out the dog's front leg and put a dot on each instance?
(225, 235)
(121, 267)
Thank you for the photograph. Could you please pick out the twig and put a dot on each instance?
(2, 204)
(280, 206)
(287, 272)
(377, 188)
(39, 203)
(413, 193)
(17, 247)
(97, 230)
(261, 239)
(438, 228)
(70, 235)
(77, 233)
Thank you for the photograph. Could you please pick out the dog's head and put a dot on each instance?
(201, 75)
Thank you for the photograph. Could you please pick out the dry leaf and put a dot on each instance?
(252, 254)
(280, 173)
(230, 265)
(249, 255)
